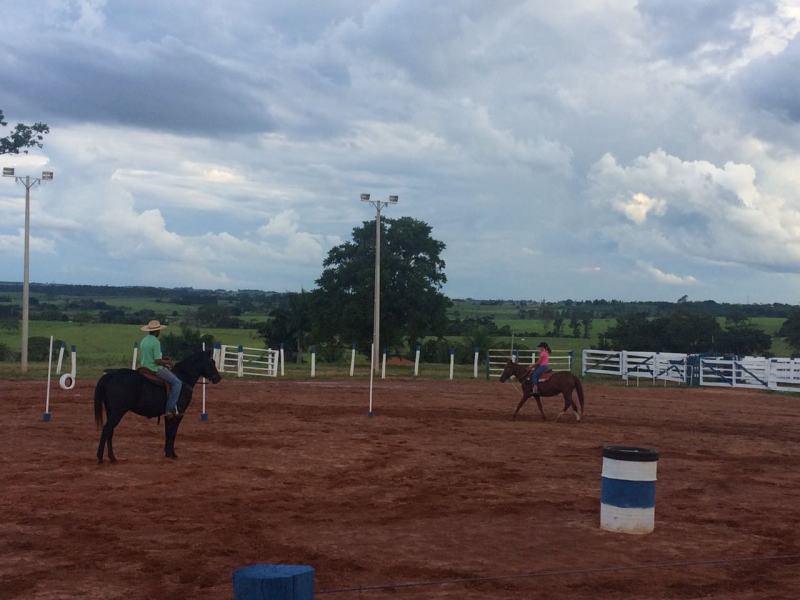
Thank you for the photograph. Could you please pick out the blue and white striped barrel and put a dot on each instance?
(628, 491)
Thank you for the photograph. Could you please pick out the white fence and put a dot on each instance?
(657, 366)
(245, 361)
(780, 374)
(497, 358)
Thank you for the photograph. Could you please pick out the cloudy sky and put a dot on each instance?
(584, 149)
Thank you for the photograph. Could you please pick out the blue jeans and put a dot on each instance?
(175, 392)
(538, 373)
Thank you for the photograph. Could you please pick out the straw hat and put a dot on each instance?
(153, 325)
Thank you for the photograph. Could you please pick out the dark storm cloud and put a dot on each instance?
(682, 27)
(771, 84)
(164, 87)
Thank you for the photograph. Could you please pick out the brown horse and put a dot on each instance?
(551, 383)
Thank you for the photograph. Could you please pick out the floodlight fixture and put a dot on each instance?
(365, 197)
(393, 199)
(8, 171)
(47, 176)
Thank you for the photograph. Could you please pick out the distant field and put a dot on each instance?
(108, 345)
(111, 344)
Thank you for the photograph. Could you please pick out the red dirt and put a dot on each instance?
(440, 484)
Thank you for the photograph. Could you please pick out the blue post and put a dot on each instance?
(273, 582)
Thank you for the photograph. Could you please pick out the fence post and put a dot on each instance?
(583, 363)
(416, 361)
(283, 360)
(313, 361)
(383, 365)
(240, 360)
(204, 414)
(135, 355)
(353, 360)
(475, 363)
(452, 354)
(569, 359)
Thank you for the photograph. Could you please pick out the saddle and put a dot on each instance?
(155, 379)
(546, 375)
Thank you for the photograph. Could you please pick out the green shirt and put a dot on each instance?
(149, 352)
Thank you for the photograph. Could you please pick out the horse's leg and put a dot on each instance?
(567, 404)
(521, 402)
(101, 448)
(113, 421)
(170, 431)
(538, 398)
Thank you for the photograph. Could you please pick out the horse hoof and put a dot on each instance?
(99, 461)
(173, 456)
(113, 461)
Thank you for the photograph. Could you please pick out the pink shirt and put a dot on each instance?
(544, 357)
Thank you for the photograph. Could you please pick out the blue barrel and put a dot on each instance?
(273, 582)
(628, 491)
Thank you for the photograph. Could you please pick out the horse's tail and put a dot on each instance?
(99, 400)
(579, 389)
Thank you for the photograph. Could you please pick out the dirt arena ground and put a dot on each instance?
(439, 485)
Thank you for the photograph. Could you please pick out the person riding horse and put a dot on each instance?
(541, 365)
(152, 359)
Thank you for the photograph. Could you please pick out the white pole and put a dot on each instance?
(371, 376)
(353, 360)
(475, 365)
(26, 279)
(451, 364)
(60, 358)
(204, 385)
(283, 361)
(135, 355)
(416, 362)
(383, 366)
(240, 361)
(314, 362)
(46, 416)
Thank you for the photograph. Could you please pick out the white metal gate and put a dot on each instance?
(498, 357)
(259, 362)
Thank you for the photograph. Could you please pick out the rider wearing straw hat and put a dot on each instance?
(151, 358)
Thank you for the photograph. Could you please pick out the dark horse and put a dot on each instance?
(122, 390)
(559, 382)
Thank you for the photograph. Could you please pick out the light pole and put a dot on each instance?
(376, 326)
(28, 182)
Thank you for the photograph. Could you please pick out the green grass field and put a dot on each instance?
(103, 345)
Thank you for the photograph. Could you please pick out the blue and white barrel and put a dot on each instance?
(628, 491)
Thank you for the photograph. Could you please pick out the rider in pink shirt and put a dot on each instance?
(541, 365)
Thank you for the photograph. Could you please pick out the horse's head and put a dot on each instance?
(509, 370)
(209, 367)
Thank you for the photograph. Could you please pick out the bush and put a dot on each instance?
(189, 341)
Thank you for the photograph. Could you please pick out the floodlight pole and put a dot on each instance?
(28, 182)
(376, 316)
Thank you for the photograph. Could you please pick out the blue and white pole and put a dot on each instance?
(628, 490)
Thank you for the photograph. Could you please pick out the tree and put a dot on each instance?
(741, 337)
(290, 324)
(791, 329)
(189, 341)
(22, 137)
(412, 274)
